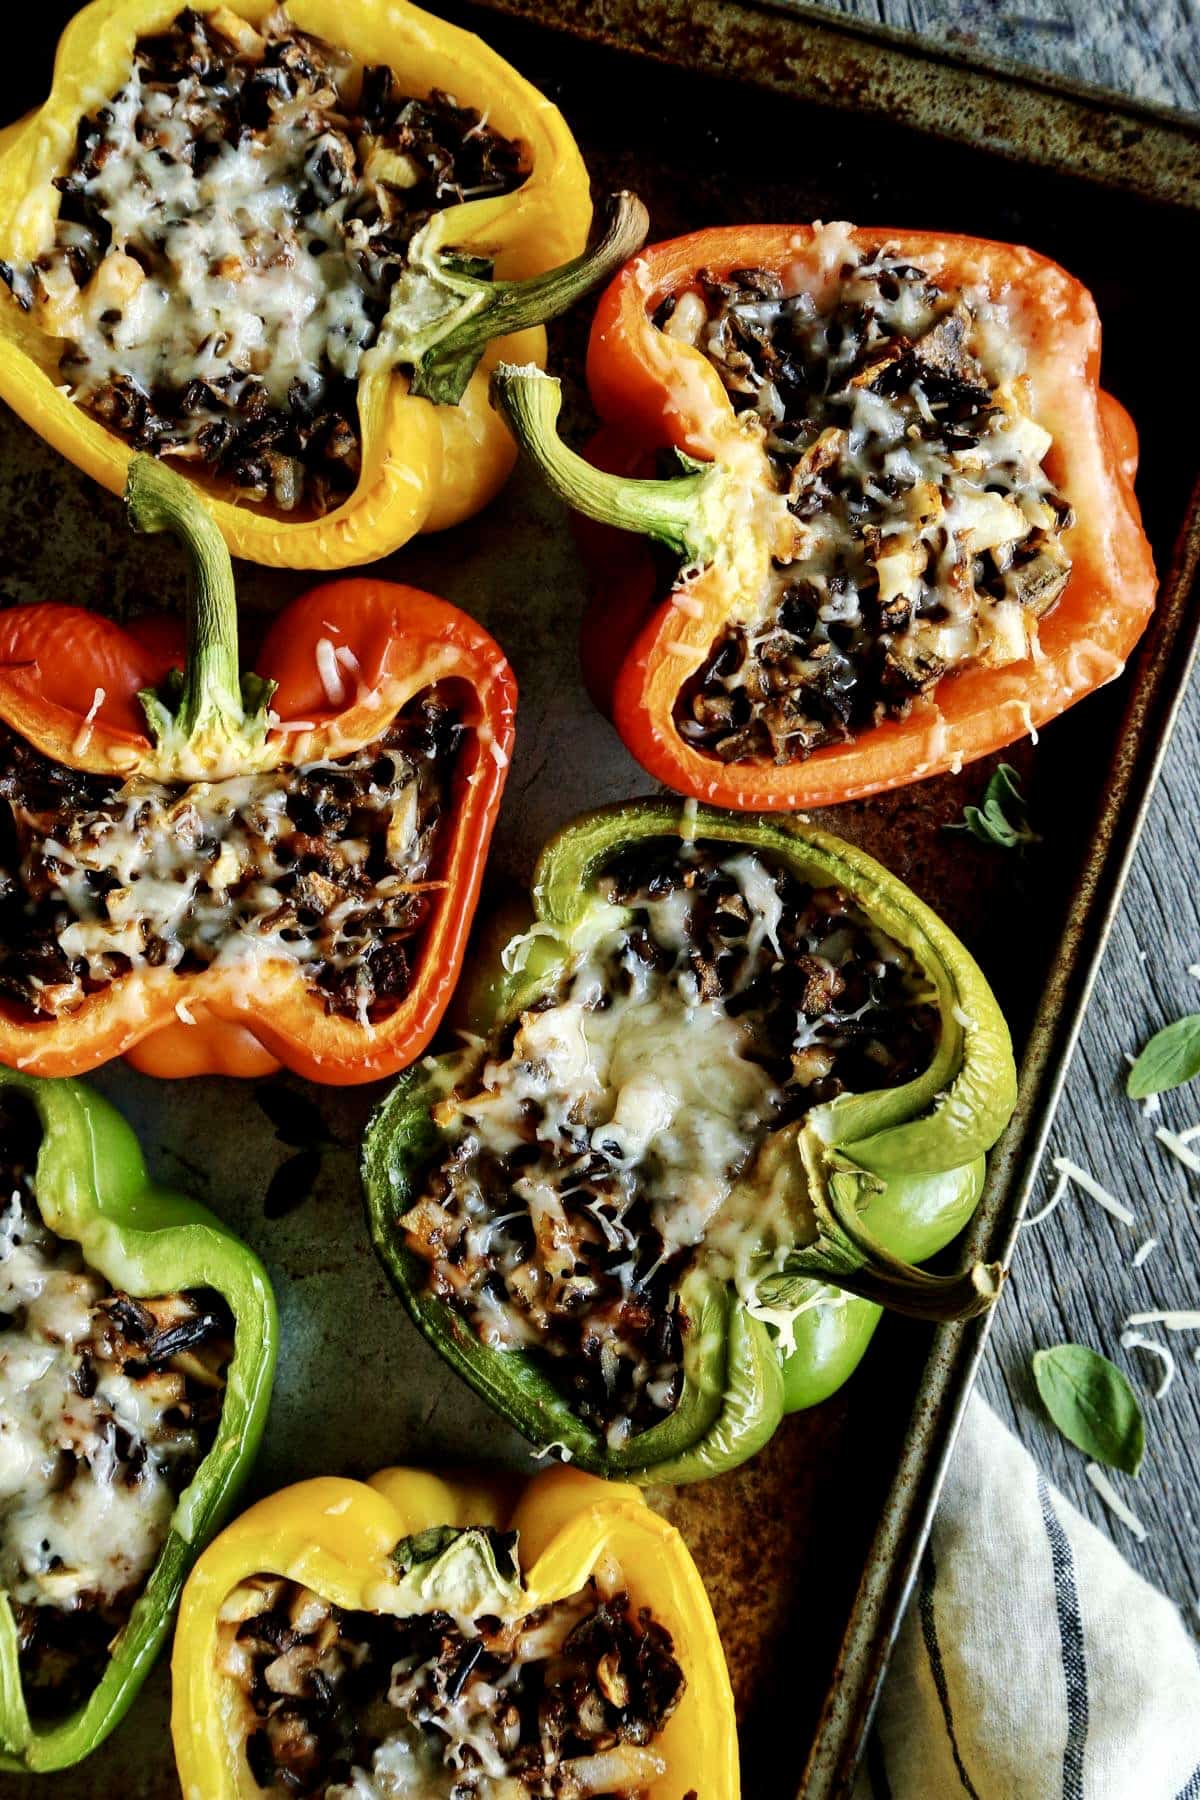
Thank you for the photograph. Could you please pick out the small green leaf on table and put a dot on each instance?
(1092, 1404)
(1003, 818)
(1171, 1058)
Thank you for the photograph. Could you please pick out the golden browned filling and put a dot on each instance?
(896, 419)
(326, 865)
(605, 1145)
(231, 227)
(107, 1406)
(563, 1703)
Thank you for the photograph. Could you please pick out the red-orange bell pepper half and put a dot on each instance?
(88, 695)
(655, 392)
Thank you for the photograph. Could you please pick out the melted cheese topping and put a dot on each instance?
(88, 1480)
(244, 277)
(565, 1700)
(317, 866)
(898, 424)
(612, 1140)
(231, 233)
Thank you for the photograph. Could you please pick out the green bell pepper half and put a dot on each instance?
(92, 1189)
(889, 1177)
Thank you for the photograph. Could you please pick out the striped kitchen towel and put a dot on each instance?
(1033, 1663)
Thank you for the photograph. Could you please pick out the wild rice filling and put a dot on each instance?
(108, 1404)
(330, 865)
(896, 420)
(605, 1145)
(231, 227)
(562, 1704)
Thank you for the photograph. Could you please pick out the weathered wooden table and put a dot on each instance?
(1073, 1278)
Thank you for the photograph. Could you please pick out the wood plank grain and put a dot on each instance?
(1146, 48)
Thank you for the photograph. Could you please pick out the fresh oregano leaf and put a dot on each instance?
(1170, 1058)
(1002, 819)
(1092, 1404)
(291, 1184)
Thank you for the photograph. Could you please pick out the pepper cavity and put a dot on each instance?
(110, 1404)
(897, 426)
(331, 866)
(568, 1698)
(595, 1152)
(231, 226)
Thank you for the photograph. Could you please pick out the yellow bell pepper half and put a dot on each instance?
(424, 466)
(337, 1537)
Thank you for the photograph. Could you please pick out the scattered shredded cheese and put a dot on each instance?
(84, 737)
(1179, 1320)
(1178, 1148)
(1143, 1251)
(1060, 1188)
(1091, 1186)
(564, 1455)
(327, 669)
(1114, 1502)
(182, 1012)
(1133, 1340)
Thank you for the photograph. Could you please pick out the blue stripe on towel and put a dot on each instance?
(1192, 1790)
(936, 1666)
(1070, 1631)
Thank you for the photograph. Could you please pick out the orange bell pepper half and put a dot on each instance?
(655, 392)
(87, 694)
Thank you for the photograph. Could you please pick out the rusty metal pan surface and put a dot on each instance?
(718, 112)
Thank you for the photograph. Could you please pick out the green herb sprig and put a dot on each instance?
(1003, 818)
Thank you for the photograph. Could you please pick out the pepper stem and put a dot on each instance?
(445, 352)
(685, 512)
(209, 713)
(844, 1255)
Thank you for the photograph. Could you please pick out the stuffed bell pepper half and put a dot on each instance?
(137, 1349)
(905, 532)
(732, 1083)
(212, 871)
(412, 1635)
(273, 244)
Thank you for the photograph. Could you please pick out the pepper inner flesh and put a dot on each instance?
(605, 1144)
(896, 420)
(231, 226)
(109, 1404)
(330, 865)
(566, 1700)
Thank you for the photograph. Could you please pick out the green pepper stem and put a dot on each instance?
(683, 512)
(445, 353)
(212, 703)
(844, 1255)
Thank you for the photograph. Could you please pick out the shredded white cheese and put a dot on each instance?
(1092, 1187)
(327, 669)
(1133, 1340)
(1179, 1320)
(1060, 1188)
(1178, 1148)
(1114, 1502)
